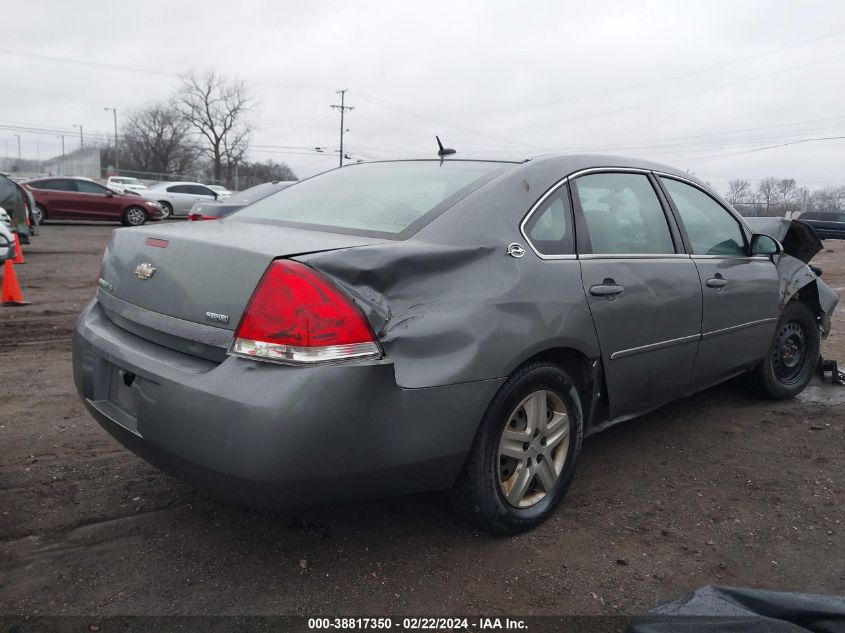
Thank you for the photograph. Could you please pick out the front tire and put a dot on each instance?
(523, 458)
(793, 354)
(166, 209)
(134, 216)
(39, 214)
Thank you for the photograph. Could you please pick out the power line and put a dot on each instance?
(760, 149)
(676, 97)
(659, 81)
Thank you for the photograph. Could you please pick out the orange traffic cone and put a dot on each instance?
(19, 251)
(11, 293)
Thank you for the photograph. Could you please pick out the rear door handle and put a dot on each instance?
(605, 290)
(717, 282)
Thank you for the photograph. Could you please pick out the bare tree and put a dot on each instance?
(786, 191)
(217, 107)
(157, 139)
(767, 188)
(738, 191)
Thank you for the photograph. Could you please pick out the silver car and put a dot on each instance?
(392, 327)
(177, 198)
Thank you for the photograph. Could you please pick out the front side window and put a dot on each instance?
(549, 227)
(623, 214)
(83, 186)
(199, 190)
(712, 230)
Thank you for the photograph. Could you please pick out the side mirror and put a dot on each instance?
(765, 245)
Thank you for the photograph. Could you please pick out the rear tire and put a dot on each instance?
(134, 216)
(793, 355)
(520, 466)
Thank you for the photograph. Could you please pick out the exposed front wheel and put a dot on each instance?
(166, 210)
(39, 214)
(793, 355)
(134, 216)
(523, 458)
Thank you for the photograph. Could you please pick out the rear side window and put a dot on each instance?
(550, 227)
(710, 227)
(623, 214)
(391, 199)
(56, 185)
(179, 189)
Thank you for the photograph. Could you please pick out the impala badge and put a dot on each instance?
(144, 271)
(219, 318)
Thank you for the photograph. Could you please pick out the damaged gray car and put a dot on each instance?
(393, 327)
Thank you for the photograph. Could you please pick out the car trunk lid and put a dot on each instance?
(202, 273)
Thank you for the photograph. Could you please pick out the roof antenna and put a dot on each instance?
(443, 151)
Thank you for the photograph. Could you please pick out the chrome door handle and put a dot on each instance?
(604, 290)
(717, 282)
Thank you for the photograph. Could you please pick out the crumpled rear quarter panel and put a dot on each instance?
(449, 305)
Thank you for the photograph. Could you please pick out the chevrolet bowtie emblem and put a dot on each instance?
(144, 271)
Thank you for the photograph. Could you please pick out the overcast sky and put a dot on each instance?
(692, 84)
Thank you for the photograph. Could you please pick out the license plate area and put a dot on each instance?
(124, 396)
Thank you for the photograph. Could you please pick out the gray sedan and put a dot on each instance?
(392, 327)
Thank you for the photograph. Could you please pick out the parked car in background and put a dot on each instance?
(222, 192)
(400, 326)
(7, 238)
(177, 198)
(14, 200)
(83, 199)
(122, 183)
(217, 210)
(828, 225)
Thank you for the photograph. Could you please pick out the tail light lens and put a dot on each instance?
(196, 217)
(296, 315)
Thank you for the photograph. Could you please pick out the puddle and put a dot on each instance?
(818, 392)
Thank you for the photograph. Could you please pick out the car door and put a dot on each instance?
(97, 201)
(740, 293)
(203, 194)
(181, 197)
(642, 289)
(61, 199)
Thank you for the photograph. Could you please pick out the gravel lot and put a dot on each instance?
(720, 488)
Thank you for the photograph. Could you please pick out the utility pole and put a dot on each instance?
(62, 164)
(19, 148)
(81, 138)
(342, 107)
(116, 147)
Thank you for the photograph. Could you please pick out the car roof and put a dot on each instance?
(567, 164)
(167, 183)
(63, 178)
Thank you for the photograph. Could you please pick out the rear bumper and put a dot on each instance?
(265, 434)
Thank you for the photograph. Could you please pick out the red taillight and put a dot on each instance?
(195, 217)
(296, 315)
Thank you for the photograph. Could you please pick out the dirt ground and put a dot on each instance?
(720, 488)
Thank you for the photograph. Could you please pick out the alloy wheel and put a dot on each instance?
(533, 449)
(135, 216)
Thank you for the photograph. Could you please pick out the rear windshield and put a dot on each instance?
(391, 199)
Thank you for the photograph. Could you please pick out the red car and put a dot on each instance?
(83, 199)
